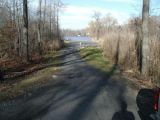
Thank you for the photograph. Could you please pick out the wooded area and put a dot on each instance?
(28, 32)
(135, 46)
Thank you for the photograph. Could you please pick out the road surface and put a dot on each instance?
(78, 92)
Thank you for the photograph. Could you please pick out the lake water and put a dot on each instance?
(78, 38)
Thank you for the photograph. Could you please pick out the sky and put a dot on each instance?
(76, 14)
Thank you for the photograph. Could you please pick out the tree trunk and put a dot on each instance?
(18, 30)
(50, 15)
(44, 16)
(25, 28)
(1, 75)
(145, 39)
(57, 17)
(39, 29)
(14, 12)
(39, 40)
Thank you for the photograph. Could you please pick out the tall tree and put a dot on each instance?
(18, 28)
(44, 15)
(50, 19)
(96, 16)
(58, 7)
(145, 39)
(25, 28)
(39, 27)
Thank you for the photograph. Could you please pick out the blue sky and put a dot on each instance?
(78, 13)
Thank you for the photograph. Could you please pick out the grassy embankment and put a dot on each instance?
(14, 87)
(93, 56)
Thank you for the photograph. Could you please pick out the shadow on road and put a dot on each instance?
(123, 114)
(84, 105)
(73, 97)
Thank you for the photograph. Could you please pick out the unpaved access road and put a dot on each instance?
(78, 92)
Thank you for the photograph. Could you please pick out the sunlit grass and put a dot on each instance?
(94, 57)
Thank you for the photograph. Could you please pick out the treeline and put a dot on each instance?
(134, 46)
(68, 32)
(28, 29)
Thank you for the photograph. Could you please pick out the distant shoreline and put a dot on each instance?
(78, 38)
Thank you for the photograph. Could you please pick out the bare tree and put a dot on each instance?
(39, 27)
(96, 16)
(50, 18)
(18, 27)
(57, 18)
(108, 22)
(145, 39)
(25, 28)
(23, 34)
(44, 14)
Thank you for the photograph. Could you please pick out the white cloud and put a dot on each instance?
(76, 17)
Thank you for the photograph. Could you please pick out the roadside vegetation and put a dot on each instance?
(35, 75)
(134, 46)
(10, 89)
(94, 57)
(27, 34)
(30, 38)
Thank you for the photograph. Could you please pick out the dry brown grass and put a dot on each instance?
(126, 36)
(126, 50)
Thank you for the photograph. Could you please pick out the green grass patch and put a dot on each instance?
(94, 57)
(50, 58)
